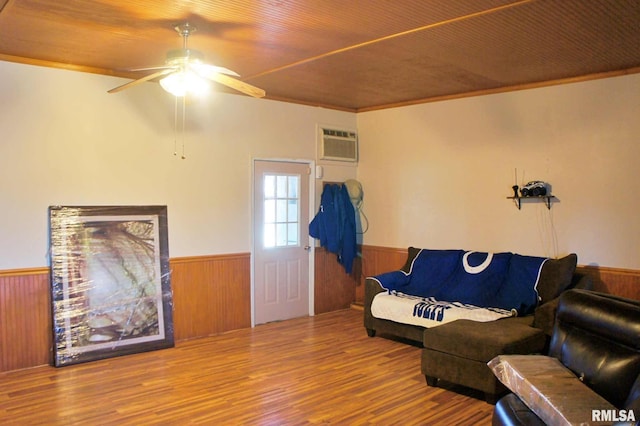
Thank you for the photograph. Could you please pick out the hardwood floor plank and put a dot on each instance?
(306, 371)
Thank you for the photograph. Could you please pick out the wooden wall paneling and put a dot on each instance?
(621, 282)
(192, 303)
(334, 289)
(235, 276)
(26, 334)
(211, 294)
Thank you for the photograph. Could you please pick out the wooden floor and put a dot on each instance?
(319, 370)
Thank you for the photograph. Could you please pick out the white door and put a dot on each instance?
(281, 240)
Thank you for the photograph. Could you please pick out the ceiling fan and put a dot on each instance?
(185, 71)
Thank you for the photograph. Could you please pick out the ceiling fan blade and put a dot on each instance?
(238, 85)
(141, 80)
(206, 70)
(160, 67)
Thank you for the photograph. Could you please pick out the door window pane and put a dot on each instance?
(269, 186)
(281, 186)
(292, 234)
(281, 210)
(294, 184)
(269, 211)
(292, 213)
(269, 235)
(281, 234)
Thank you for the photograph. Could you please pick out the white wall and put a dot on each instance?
(434, 175)
(65, 141)
(437, 175)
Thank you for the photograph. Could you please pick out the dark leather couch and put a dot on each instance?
(597, 336)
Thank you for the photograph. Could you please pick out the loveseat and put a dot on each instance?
(457, 350)
(591, 374)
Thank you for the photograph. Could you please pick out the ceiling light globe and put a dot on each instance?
(183, 82)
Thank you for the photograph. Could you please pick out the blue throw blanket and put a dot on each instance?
(490, 280)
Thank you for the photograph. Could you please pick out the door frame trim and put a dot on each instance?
(311, 242)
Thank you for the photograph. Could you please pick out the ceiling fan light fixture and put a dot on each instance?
(183, 82)
(184, 56)
(185, 72)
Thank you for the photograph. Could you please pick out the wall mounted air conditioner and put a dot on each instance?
(338, 145)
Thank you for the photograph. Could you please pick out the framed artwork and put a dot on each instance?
(110, 281)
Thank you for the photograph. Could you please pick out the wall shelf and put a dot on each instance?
(546, 198)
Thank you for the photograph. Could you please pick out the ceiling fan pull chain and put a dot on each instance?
(184, 114)
(175, 126)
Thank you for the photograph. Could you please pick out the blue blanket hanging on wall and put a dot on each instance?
(335, 224)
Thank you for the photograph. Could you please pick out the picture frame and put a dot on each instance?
(110, 281)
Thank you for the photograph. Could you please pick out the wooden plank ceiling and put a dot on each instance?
(353, 55)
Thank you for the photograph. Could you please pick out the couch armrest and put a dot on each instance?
(545, 314)
(371, 288)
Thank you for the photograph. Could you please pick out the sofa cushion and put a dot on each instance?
(555, 277)
(476, 279)
(521, 282)
(481, 341)
(412, 252)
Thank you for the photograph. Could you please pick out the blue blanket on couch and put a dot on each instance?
(490, 280)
